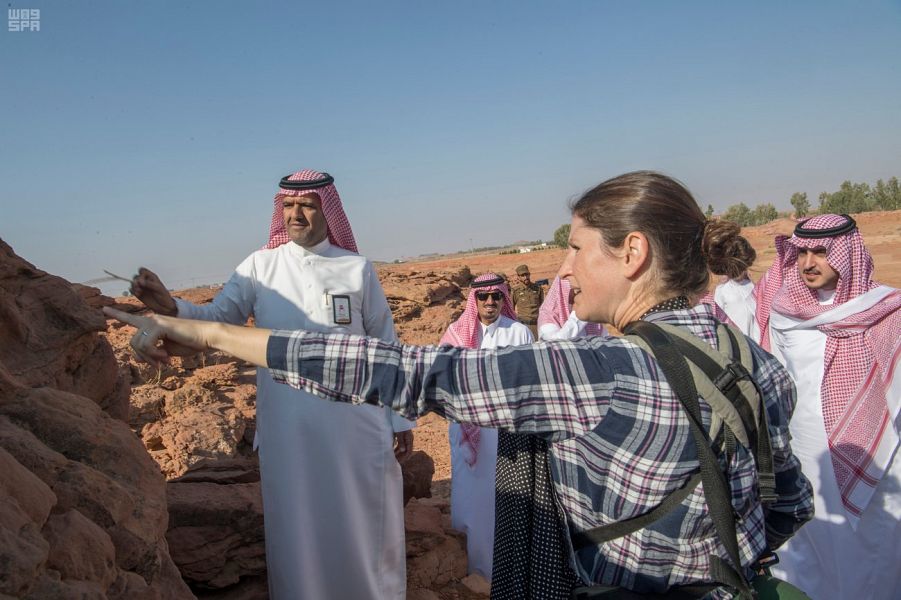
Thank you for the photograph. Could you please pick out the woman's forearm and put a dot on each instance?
(246, 343)
(513, 388)
(182, 337)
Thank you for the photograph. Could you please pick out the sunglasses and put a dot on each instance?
(482, 296)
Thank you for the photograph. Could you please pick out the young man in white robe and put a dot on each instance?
(488, 321)
(331, 483)
(556, 318)
(839, 334)
(736, 298)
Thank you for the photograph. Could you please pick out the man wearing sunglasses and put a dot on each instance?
(488, 321)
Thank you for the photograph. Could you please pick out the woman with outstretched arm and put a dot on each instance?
(620, 440)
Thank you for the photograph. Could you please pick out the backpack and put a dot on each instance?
(723, 378)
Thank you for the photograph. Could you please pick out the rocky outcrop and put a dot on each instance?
(49, 336)
(82, 506)
(426, 287)
(424, 303)
(417, 471)
(195, 422)
(216, 536)
(436, 555)
(197, 417)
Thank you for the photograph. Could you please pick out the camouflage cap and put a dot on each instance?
(522, 270)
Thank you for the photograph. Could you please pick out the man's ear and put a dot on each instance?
(637, 254)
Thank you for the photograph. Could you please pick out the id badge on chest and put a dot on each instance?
(340, 309)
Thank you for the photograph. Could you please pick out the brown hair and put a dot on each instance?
(663, 210)
(728, 252)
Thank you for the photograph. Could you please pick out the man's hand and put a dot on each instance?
(403, 445)
(148, 288)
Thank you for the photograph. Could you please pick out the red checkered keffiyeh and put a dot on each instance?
(339, 231)
(862, 351)
(557, 306)
(464, 333)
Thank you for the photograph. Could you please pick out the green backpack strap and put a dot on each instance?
(712, 375)
(716, 488)
(715, 375)
(722, 376)
(763, 453)
(618, 529)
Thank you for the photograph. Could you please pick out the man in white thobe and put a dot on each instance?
(837, 332)
(556, 318)
(488, 321)
(736, 298)
(332, 486)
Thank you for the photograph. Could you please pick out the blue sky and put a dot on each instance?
(154, 133)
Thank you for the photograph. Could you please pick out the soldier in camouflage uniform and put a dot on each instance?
(527, 299)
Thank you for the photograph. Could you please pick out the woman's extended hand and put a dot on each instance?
(182, 337)
(179, 337)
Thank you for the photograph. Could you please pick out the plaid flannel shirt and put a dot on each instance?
(620, 441)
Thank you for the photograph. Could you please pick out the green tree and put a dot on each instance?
(763, 214)
(887, 196)
(802, 206)
(739, 214)
(561, 236)
(709, 212)
(850, 198)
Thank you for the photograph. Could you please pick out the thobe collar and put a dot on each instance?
(316, 250)
(490, 330)
(826, 297)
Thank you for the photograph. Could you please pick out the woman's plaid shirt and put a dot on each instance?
(620, 442)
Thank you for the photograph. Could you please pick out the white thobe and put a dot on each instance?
(827, 557)
(472, 487)
(332, 489)
(572, 329)
(736, 298)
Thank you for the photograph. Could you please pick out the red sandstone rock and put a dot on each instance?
(436, 554)
(92, 296)
(422, 594)
(82, 506)
(477, 584)
(243, 469)
(48, 336)
(216, 533)
(26, 505)
(424, 288)
(80, 549)
(417, 474)
(198, 425)
(109, 493)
